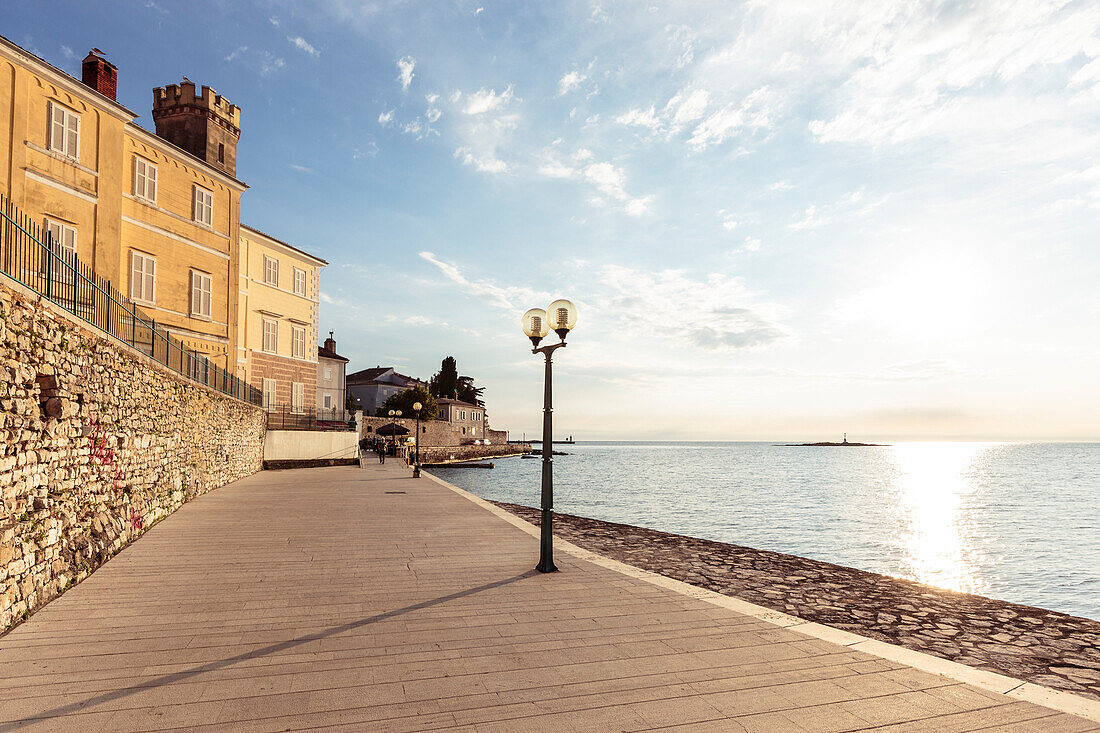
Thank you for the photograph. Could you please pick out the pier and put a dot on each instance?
(363, 598)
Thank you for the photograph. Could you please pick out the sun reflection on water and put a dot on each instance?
(937, 542)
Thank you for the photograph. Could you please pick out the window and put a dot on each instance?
(271, 336)
(269, 394)
(461, 414)
(203, 206)
(299, 281)
(328, 373)
(143, 278)
(64, 131)
(328, 401)
(145, 179)
(201, 288)
(63, 239)
(221, 152)
(297, 396)
(271, 271)
(297, 342)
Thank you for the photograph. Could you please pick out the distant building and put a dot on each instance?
(372, 387)
(468, 420)
(279, 286)
(331, 368)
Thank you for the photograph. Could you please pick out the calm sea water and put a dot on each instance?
(1018, 522)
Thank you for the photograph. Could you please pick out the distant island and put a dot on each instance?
(843, 444)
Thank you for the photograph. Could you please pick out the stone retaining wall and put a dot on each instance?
(471, 452)
(1031, 644)
(97, 443)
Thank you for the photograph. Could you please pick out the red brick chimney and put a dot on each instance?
(100, 74)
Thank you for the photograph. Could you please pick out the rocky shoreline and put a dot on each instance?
(1030, 644)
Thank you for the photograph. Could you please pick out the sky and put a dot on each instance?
(777, 220)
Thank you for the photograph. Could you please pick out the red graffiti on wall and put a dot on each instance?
(102, 453)
(137, 522)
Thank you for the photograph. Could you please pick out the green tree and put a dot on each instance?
(444, 383)
(404, 401)
(467, 392)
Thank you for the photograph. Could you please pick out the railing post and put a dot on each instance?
(49, 266)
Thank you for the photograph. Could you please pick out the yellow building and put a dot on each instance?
(277, 329)
(156, 214)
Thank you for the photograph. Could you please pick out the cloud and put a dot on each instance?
(433, 113)
(273, 21)
(385, 118)
(303, 45)
(752, 244)
(556, 169)
(270, 63)
(506, 299)
(569, 82)
(640, 118)
(610, 181)
(236, 53)
(780, 186)
(302, 169)
(714, 314)
(68, 53)
(486, 164)
(483, 100)
(749, 114)
(852, 204)
(405, 66)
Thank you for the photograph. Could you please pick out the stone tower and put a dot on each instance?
(206, 126)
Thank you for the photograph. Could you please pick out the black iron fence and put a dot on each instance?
(289, 417)
(31, 256)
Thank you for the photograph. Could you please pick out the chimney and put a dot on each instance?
(100, 74)
(330, 343)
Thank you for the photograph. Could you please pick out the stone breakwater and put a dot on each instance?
(1031, 644)
(97, 443)
(458, 453)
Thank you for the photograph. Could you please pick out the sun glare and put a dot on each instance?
(932, 485)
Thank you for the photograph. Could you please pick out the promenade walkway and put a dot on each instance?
(366, 600)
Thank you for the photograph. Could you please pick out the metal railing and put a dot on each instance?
(289, 417)
(31, 257)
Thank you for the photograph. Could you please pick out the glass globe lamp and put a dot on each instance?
(535, 325)
(563, 316)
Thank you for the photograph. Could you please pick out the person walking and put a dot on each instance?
(381, 452)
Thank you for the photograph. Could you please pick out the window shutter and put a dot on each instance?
(57, 127)
(73, 136)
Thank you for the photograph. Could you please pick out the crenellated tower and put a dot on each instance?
(208, 126)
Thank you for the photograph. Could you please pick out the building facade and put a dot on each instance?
(279, 287)
(157, 220)
(372, 387)
(331, 384)
(466, 420)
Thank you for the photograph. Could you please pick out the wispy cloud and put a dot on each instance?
(302, 169)
(504, 298)
(484, 163)
(303, 45)
(68, 53)
(385, 118)
(484, 100)
(569, 82)
(235, 53)
(270, 63)
(405, 68)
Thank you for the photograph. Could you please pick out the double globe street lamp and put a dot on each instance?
(560, 316)
(394, 414)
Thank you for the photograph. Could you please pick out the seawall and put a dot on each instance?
(97, 443)
(1032, 644)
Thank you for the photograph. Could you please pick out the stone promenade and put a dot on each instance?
(366, 600)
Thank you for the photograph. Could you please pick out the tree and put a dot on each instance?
(467, 392)
(404, 401)
(444, 383)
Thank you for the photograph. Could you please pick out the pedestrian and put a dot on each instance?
(382, 453)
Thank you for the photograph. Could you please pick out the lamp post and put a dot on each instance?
(561, 316)
(416, 461)
(394, 414)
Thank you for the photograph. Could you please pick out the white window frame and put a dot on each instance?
(299, 277)
(271, 271)
(64, 132)
(298, 342)
(461, 414)
(328, 374)
(270, 394)
(328, 401)
(297, 397)
(202, 289)
(143, 279)
(63, 237)
(273, 332)
(145, 179)
(202, 206)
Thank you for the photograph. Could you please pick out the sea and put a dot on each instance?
(1018, 522)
